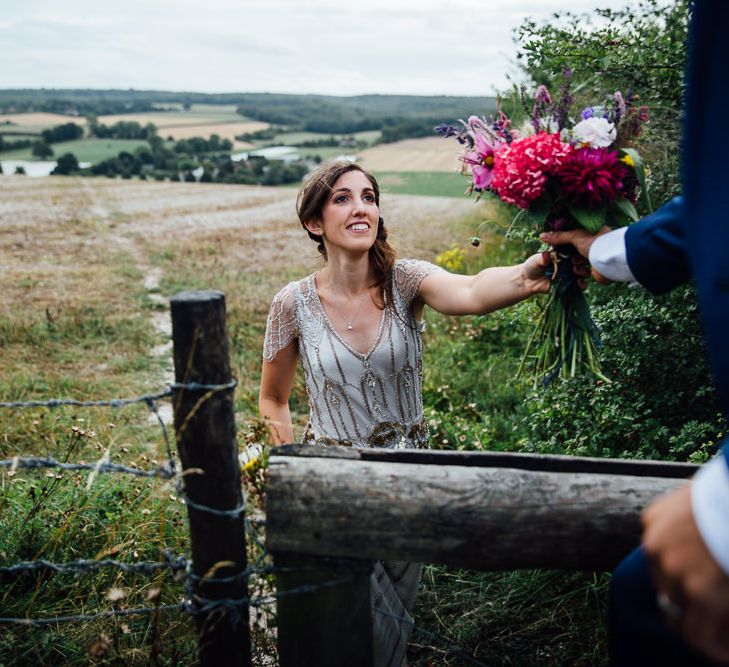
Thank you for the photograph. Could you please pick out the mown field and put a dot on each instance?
(426, 154)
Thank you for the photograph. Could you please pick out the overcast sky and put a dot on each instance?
(428, 47)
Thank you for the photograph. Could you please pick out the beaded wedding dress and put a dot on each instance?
(363, 400)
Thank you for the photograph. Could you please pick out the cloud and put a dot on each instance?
(325, 46)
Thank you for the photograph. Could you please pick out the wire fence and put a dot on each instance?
(192, 603)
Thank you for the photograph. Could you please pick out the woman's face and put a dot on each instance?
(350, 215)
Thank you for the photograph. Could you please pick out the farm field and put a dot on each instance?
(202, 120)
(173, 118)
(85, 150)
(191, 236)
(299, 137)
(425, 154)
(40, 119)
(205, 130)
(429, 183)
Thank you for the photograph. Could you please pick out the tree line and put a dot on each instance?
(312, 113)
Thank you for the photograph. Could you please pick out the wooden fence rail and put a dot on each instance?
(481, 511)
(331, 512)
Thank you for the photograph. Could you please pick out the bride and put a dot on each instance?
(356, 328)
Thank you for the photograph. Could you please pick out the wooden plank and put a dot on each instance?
(477, 517)
(206, 441)
(517, 460)
(328, 623)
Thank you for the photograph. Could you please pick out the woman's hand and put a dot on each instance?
(532, 272)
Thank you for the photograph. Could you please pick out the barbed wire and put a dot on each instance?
(121, 402)
(83, 618)
(110, 403)
(103, 465)
(81, 565)
(193, 603)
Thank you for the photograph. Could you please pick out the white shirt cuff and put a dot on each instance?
(710, 505)
(609, 257)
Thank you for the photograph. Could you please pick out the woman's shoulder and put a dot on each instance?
(287, 294)
(410, 265)
(409, 273)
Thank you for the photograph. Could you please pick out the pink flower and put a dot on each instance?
(593, 176)
(482, 162)
(521, 168)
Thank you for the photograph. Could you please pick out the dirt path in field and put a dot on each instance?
(72, 242)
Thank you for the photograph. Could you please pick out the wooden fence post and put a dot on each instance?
(330, 625)
(206, 442)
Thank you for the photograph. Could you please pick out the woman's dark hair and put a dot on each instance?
(312, 198)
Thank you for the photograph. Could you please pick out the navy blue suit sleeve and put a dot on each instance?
(656, 251)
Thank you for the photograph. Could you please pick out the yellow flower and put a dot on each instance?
(626, 159)
(452, 259)
(252, 463)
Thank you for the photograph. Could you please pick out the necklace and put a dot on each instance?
(350, 323)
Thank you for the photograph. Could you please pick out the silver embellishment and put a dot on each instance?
(366, 400)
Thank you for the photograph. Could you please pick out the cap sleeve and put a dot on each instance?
(409, 273)
(282, 326)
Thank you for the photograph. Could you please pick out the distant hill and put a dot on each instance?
(404, 115)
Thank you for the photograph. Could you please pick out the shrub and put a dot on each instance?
(660, 404)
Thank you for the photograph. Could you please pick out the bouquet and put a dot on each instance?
(562, 172)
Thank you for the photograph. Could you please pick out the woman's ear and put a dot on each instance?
(314, 227)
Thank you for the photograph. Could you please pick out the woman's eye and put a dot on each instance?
(369, 198)
(339, 199)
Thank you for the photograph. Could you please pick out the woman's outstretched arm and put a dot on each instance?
(489, 290)
(277, 377)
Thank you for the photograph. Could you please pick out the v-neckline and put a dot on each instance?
(362, 355)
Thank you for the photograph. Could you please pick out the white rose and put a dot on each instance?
(598, 132)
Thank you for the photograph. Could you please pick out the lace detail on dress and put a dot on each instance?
(364, 400)
(281, 326)
(409, 273)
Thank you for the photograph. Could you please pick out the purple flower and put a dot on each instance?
(446, 130)
(587, 112)
(542, 100)
(460, 134)
(482, 162)
(620, 107)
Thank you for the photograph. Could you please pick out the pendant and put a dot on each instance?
(349, 326)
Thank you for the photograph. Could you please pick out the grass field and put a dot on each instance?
(85, 150)
(428, 183)
(176, 118)
(292, 138)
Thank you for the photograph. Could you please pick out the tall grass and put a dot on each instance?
(91, 347)
(473, 401)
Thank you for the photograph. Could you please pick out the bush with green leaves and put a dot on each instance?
(660, 403)
(639, 49)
